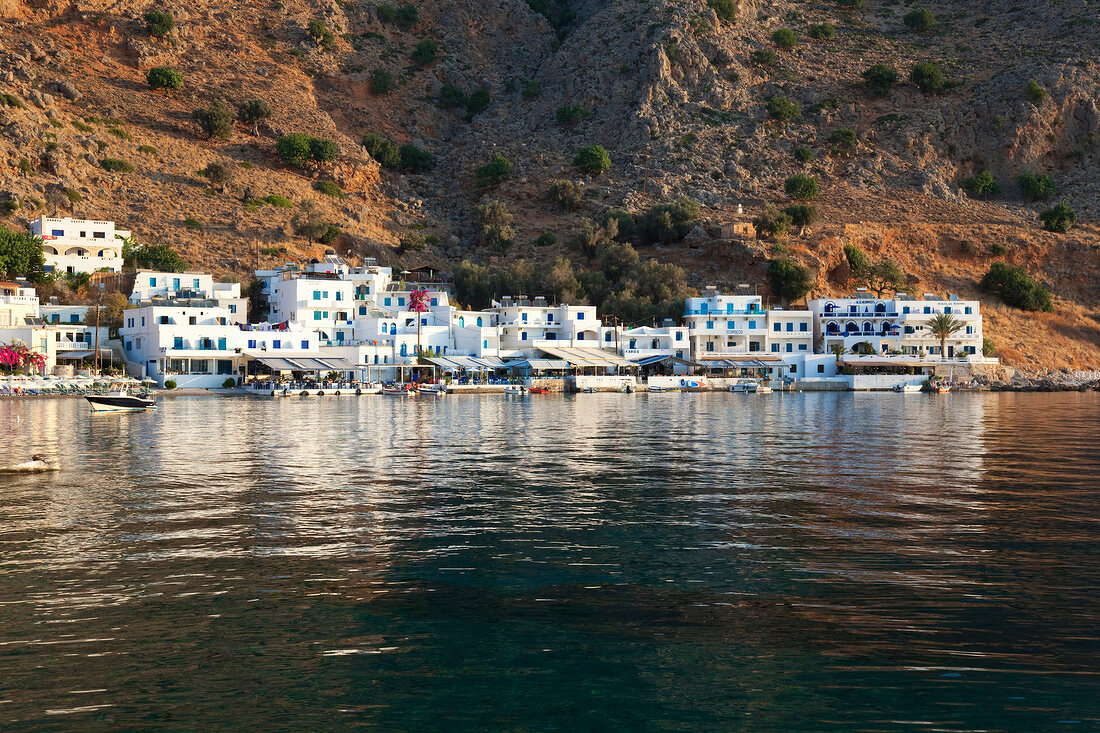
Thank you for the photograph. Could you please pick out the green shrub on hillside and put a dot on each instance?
(164, 77)
(405, 16)
(821, 31)
(252, 111)
(880, 79)
(801, 186)
(725, 9)
(116, 166)
(496, 170)
(763, 57)
(382, 150)
(789, 279)
(496, 225)
(858, 263)
(321, 34)
(782, 109)
(381, 81)
(928, 77)
(425, 52)
(669, 222)
(414, 159)
(451, 96)
(1016, 288)
(532, 89)
(771, 223)
(329, 188)
(853, 4)
(1037, 186)
(920, 19)
(801, 215)
(1035, 92)
(281, 202)
(215, 121)
(843, 140)
(566, 194)
(983, 184)
(1058, 218)
(477, 102)
(592, 159)
(785, 39)
(802, 154)
(159, 23)
(299, 149)
(571, 114)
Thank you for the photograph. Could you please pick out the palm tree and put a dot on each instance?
(943, 326)
(838, 351)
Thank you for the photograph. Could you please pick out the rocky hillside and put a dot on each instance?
(677, 95)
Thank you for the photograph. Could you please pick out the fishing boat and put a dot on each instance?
(539, 390)
(435, 390)
(119, 401)
(655, 388)
(942, 387)
(515, 389)
(745, 386)
(763, 388)
(398, 390)
(907, 388)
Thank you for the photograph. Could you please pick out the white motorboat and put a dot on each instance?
(515, 389)
(664, 389)
(907, 388)
(745, 386)
(399, 391)
(119, 401)
(435, 390)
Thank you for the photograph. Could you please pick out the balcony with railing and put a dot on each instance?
(859, 314)
(717, 313)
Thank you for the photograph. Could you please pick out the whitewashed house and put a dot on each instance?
(896, 326)
(58, 332)
(192, 342)
(150, 286)
(80, 245)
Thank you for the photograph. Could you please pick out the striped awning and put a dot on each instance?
(304, 364)
(467, 363)
(540, 365)
(582, 357)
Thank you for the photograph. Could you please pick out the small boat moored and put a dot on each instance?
(745, 386)
(907, 388)
(119, 401)
(436, 390)
(398, 390)
(515, 389)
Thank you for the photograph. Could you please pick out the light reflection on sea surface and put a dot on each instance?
(605, 562)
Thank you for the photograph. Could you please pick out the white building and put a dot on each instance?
(80, 245)
(18, 301)
(150, 286)
(645, 342)
(725, 325)
(194, 342)
(524, 325)
(42, 329)
(896, 326)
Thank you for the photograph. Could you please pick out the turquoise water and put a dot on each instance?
(674, 562)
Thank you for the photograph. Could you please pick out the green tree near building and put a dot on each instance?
(21, 255)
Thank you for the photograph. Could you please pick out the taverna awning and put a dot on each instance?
(468, 363)
(80, 354)
(582, 357)
(648, 360)
(884, 361)
(304, 364)
(738, 362)
(540, 365)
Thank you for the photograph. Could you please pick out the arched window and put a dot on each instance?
(851, 327)
(404, 350)
(479, 322)
(867, 327)
(830, 307)
(880, 307)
